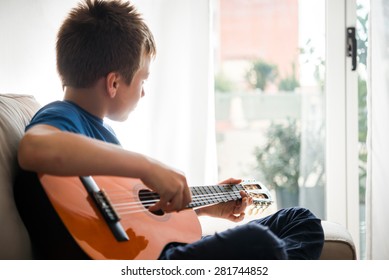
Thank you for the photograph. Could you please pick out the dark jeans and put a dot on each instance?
(292, 233)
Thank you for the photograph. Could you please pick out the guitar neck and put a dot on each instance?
(207, 195)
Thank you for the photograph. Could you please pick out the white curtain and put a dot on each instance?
(175, 120)
(27, 47)
(378, 133)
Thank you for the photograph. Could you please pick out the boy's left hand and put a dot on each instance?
(231, 210)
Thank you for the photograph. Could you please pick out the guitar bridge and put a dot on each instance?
(105, 206)
(107, 211)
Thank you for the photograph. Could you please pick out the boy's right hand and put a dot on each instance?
(171, 186)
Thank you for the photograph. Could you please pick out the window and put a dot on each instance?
(362, 43)
(269, 97)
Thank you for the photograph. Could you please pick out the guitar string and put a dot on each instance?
(139, 206)
(142, 206)
(154, 197)
(195, 193)
(196, 198)
(145, 203)
(193, 189)
(260, 206)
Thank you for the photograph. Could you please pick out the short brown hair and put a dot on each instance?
(99, 37)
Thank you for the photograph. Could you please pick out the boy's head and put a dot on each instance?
(99, 37)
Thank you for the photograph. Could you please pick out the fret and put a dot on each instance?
(206, 195)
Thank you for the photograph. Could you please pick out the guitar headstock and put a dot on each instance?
(261, 196)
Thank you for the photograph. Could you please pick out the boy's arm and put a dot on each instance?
(46, 149)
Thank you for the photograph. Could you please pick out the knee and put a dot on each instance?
(298, 212)
(304, 218)
(259, 232)
(264, 240)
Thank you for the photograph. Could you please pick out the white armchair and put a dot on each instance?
(15, 113)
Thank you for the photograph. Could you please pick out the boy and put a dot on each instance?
(104, 50)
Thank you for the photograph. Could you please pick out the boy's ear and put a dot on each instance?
(112, 84)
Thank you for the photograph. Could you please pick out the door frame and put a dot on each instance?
(342, 190)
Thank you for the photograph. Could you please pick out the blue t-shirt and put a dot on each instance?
(31, 199)
(67, 116)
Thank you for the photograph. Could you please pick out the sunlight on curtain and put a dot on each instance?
(27, 51)
(377, 190)
(175, 120)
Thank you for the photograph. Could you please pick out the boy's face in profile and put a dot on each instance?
(128, 96)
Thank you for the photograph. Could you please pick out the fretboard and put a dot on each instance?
(206, 195)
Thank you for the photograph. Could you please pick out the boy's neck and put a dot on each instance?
(90, 99)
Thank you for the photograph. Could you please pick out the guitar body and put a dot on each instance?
(148, 232)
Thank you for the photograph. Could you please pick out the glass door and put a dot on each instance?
(286, 101)
(270, 97)
(363, 12)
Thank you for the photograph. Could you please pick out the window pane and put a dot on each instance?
(269, 90)
(362, 44)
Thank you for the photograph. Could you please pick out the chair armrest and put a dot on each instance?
(338, 244)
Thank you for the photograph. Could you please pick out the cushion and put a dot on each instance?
(15, 112)
(338, 243)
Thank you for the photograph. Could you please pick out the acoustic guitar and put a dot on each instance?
(109, 218)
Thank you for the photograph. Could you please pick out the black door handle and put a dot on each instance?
(351, 47)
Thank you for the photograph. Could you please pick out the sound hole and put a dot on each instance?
(149, 198)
